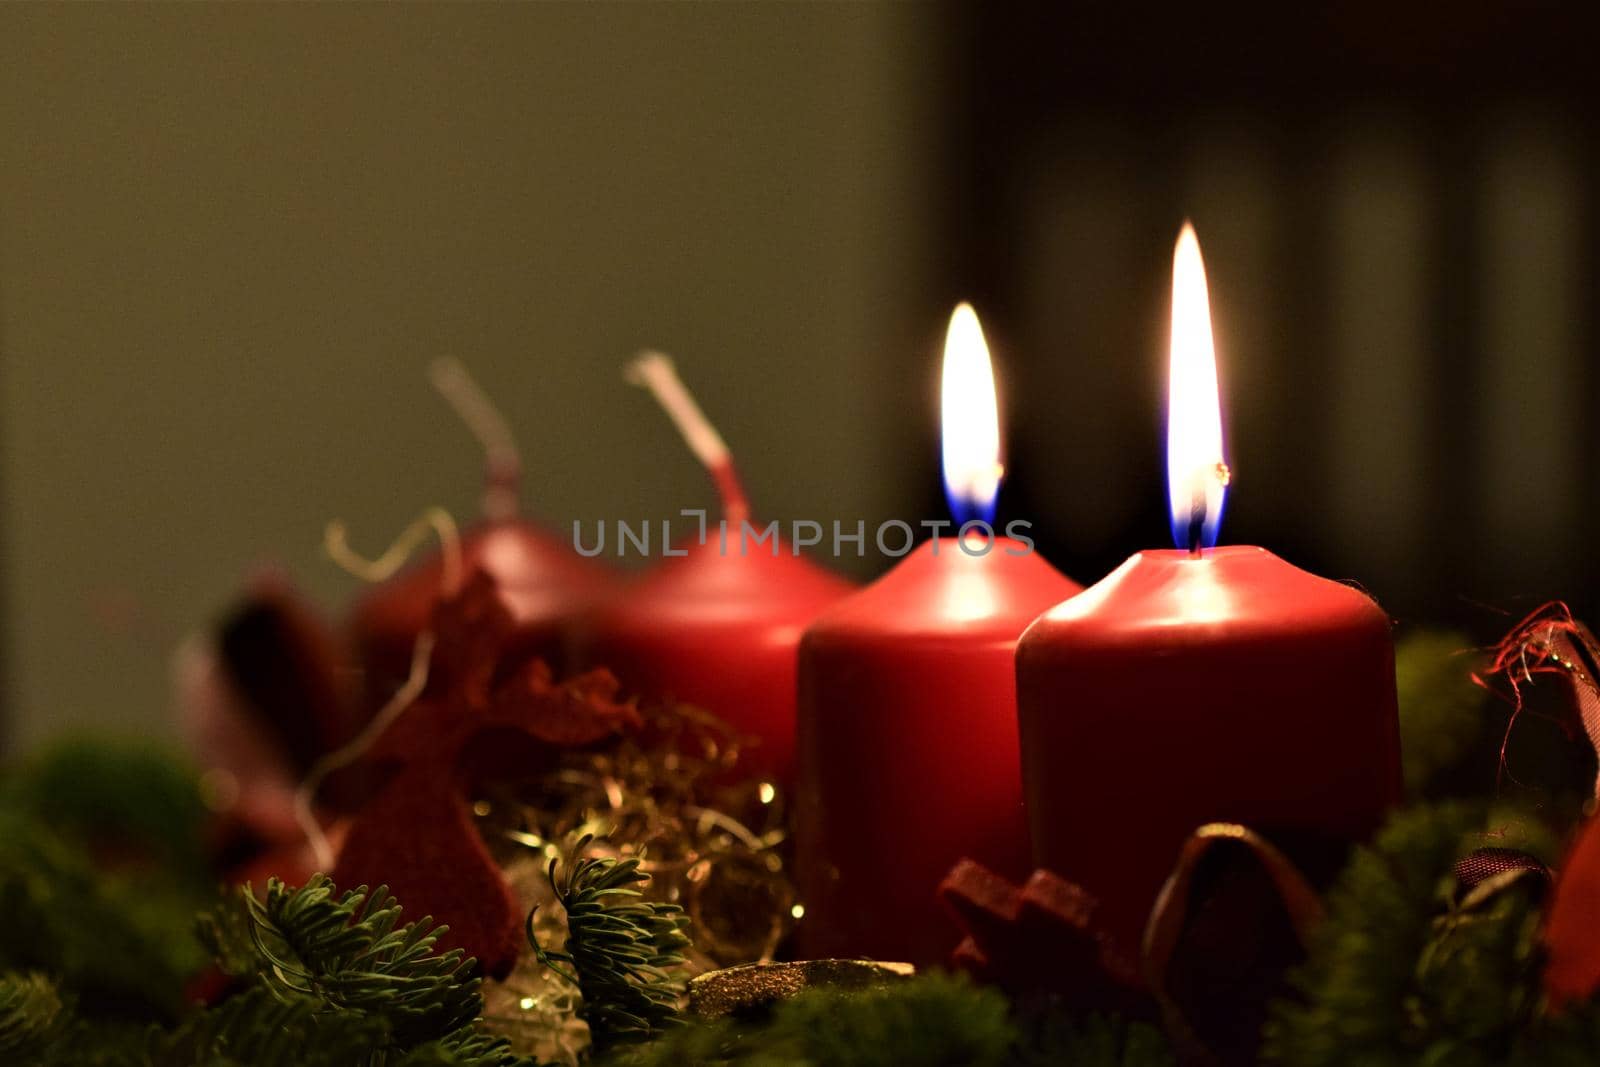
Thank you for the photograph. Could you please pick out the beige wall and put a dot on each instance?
(232, 237)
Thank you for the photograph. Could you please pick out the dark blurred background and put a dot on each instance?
(232, 237)
(1397, 208)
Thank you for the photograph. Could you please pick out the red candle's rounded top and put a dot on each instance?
(540, 577)
(1240, 588)
(942, 591)
(713, 583)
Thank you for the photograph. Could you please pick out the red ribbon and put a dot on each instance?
(1551, 641)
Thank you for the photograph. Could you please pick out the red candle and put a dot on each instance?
(1203, 684)
(716, 626)
(908, 726)
(544, 583)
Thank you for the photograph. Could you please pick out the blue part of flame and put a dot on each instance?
(964, 509)
(1210, 527)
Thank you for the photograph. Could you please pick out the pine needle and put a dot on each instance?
(622, 951)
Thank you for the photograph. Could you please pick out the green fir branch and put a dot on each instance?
(350, 954)
(1058, 1036)
(227, 931)
(1406, 968)
(261, 1027)
(32, 1017)
(933, 1020)
(121, 944)
(127, 793)
(622, 951)
(1449, 729)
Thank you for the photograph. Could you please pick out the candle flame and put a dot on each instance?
(1197, 474)
(971, 420)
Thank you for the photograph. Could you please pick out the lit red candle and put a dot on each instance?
(908, 725)
(1202, 684)
(716, 623)
(542, 580)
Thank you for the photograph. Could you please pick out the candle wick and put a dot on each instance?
(734, 506)
(436, 521)
(502, 461)
(1197, 523)
(305, 796)
(655, 372)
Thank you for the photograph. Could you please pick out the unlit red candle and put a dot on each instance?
(545, 583)
(1201, 685)
(716, 627)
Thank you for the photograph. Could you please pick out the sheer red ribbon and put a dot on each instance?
(1551, 641)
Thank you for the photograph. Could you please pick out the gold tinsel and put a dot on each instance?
(670, 793)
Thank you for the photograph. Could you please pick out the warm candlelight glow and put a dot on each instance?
(971, 420)
(1197, 474)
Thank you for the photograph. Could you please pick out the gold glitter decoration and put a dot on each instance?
(753, 986)
(670, 793)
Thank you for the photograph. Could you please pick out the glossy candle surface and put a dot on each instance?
(908, 746)
(543, 580)
(1187, 689)
(717, 628)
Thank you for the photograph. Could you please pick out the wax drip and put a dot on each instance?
(502, 460)
(655, 372)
